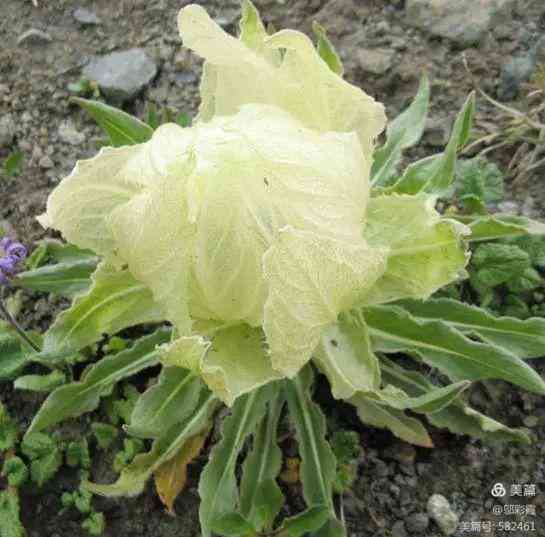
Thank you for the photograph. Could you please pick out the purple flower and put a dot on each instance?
(15, 254)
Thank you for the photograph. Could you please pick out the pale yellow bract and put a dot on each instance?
(250, 221)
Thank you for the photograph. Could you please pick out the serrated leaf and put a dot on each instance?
(326, 50)
(424, 251)
(458, 418)
(232, 525)
(318, 464)
(115, 301)
(433, 401)
(76, 398)
(165, 403)
(218, 483)
(498, 226)
(133, 478)
(45, 454)
(122, 128)
(40, 383)
(403, 132)
(525, 339)
(68, 278)
(10, 522)
(9, 431)
(393, 329)
(170, 477)
(409, 429)
(435, 174)
(309, 521)
(14, 356)
(480, 179)
(260, 496)
(345, 356)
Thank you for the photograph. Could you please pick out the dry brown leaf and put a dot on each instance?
(171, 476)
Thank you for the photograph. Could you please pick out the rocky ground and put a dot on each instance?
(385, 45)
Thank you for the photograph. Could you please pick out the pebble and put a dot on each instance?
(375, 61)
(69, 134)
(465, 22)
(509, 207)
(417, 522)
(514, 72)
(398, 529)
(121, 75)
(441, 512)
(34, 37)
(7, 130)
(86, 17)
(437, 131)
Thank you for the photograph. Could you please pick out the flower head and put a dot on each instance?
(248, 226)
(14, 254)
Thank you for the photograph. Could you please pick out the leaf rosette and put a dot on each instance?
(254, 228)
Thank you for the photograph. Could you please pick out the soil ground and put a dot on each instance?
(395, 480)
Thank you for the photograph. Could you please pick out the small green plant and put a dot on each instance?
(13, 163)
(279, 245)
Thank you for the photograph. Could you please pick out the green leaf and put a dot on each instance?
(40, 383)
(166, 403)
(408, 429)
(8, 430)
(525, 339)
(308, 521)
(76, 398)
(403, 132)
(534, 246)
(104, 433)
(393, 329)
(10, 522)
(260, 496)
(94, 524)
(115, 301)
(498, 226)
(13, 355)
(318, 464)
(12, 164)
(133, 478)
(424, 251)
(122, 128)
(529, 280)
(433, 401)
(479, 178)
(326, 50)
(68, 278)
(345, 356)
(231, 524)
(458, 418)
(45, 454)
(435, 174)
(77, 454)
(15, 470)
(495, 264)
(218, 483)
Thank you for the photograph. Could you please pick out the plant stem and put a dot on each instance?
(20, 332)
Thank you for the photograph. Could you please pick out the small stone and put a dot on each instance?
(398, 529)
(121, 75)
(440, 510)
(69, 135)
(34, 37)
(383, 27)
(7, 130)
(509, 207)
(437, 132)
(417, 522)
(464, 22)
(528, 208)
(516, 71)
(86, 17)
(530, 421)
(46, 163)
(376, 61)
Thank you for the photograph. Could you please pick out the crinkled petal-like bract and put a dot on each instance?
(425, 251)
(237, 72)
(234, 363)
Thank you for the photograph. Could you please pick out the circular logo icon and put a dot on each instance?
(498, 490)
